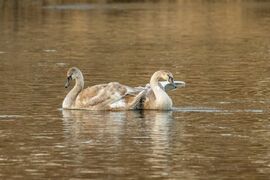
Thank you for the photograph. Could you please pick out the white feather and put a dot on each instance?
(118, 104)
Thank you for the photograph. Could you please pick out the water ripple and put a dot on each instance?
(215, 110)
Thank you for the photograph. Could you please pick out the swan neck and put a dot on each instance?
(70, 98)
(162, 101)
(79, 82)
(154, 80)
(156, 87)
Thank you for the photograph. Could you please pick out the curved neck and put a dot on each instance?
(79, 82)
(162, 101)
(73, 93)
(154, 84)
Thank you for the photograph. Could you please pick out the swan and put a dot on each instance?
(155, 96)
(111, 96)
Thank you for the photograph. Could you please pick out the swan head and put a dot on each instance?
(167, 76)
(73, 73)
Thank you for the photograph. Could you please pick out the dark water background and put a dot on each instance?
(219, 128)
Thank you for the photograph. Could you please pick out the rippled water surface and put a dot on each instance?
(219, 127)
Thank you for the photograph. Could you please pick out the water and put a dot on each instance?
(218, 129)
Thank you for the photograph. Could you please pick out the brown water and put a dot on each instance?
(219, 128)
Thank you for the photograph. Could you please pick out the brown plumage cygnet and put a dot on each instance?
(111, 96)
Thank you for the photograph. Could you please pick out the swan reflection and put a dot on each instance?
(136, 137)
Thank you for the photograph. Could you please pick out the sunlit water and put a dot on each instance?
(219, 127)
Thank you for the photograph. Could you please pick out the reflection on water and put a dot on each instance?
(117, 137)
(219, 127)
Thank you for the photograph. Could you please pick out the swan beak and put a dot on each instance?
(180, 84)
(68, 81)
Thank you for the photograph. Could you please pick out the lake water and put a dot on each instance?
(220, 125)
